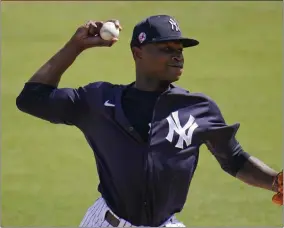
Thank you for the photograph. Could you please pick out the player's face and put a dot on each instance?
(163, 60)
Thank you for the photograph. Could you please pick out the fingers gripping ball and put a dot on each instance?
(278, 197)
(109, 31)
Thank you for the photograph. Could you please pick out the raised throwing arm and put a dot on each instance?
(40, 96)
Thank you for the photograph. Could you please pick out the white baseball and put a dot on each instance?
(109, 31)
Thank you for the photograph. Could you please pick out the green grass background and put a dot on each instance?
(48, 171)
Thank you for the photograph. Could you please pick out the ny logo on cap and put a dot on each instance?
(174, 25)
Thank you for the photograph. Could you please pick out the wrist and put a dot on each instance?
(277, 184)
(73, 48)
(274, 186)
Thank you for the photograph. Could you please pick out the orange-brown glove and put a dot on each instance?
(278, 181)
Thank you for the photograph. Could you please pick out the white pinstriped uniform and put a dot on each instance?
(95, 217)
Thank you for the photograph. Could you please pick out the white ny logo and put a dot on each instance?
(174, 25)
(174, 126)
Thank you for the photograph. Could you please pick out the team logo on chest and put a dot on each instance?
(185, 133)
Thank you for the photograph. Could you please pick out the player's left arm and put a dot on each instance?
(221, 141)
(256, 173)
(240, 164)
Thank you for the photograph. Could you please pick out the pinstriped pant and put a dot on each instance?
(95, 217)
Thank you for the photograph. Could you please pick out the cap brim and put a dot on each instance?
(186, 42)
(189, 42)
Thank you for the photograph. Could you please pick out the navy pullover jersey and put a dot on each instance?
(143, 180)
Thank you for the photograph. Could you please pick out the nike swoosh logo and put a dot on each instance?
(108, 104)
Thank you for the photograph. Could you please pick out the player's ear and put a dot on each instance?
(137, 53)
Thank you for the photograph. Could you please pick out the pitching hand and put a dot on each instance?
(88, 35)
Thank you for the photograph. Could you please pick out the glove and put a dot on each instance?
(278, 181)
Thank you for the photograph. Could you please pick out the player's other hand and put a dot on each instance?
(88, 36)
(278, 197)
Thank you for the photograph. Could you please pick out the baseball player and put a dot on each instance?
(145, 135)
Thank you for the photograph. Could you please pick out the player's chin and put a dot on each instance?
(175, 73)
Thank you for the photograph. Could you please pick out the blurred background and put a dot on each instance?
(48, 171)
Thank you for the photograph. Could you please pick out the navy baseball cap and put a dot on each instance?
(159, 28)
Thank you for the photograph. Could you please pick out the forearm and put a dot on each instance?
(256, 173)
(50, 73)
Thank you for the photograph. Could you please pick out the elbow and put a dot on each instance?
(228, 165)
(28, 98)
(34, 100)
(236, 163)
(25, 103)
(21, 103)
(231, 170)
